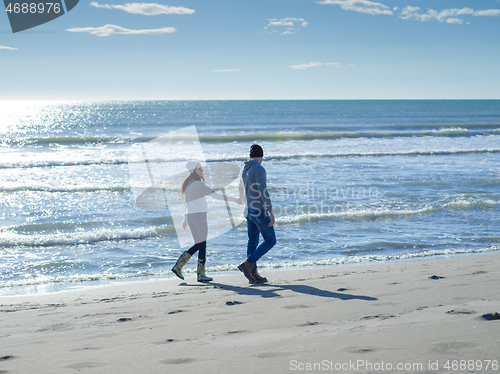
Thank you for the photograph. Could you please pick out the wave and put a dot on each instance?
(73, 140)
(315, 213)
(276, 157)
(380, 257)
(70, 189)
(67, 236)
(356, 214)
(436, 152)
(79, 278)
(470, 201)
(271, 137)
(57, 163)
(8, 238)
(485, 125)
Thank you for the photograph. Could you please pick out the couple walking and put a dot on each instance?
(258, 212)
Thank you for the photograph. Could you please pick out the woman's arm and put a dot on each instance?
(207, 191)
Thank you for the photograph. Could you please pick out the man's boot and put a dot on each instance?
(246, 268)
(258, 278)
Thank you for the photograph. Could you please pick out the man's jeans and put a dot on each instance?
(258, 221)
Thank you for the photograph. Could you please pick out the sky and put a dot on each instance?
(259, 49)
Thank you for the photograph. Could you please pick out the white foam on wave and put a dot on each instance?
(357, 214)
(348, 260)
(9, 238)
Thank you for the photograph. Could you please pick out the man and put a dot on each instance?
(258, 212)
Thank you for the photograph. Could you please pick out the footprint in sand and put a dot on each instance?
(165, 341)
(309, 324)
(85, 365)
(272, 354)
(176, 311)
(461, 311)
(233, 302)
(361, 349)
(454, 347)
(177, 361)
(298, 306)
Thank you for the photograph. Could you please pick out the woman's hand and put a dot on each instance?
(239, 200)
(184, 225)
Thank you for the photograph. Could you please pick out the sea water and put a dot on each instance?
(350, 182)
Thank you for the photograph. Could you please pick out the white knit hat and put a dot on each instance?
(191, 165)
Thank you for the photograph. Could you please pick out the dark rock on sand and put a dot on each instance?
(436, 277)
(491, 316)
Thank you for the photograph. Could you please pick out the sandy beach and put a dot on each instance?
(418, 317)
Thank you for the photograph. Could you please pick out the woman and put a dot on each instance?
(195, 192)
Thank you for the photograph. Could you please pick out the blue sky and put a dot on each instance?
(259, 49)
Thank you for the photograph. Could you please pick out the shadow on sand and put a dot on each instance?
(268, 290)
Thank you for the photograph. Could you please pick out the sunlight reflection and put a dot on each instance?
(23, 116)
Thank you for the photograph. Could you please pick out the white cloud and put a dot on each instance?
(305, 66)
(408, 12)
(9, 48)
(314, 65)
(226, 70)
(147, 9)
(280, 23)
(112, 29)
(360, 6)
(446, 15)
(489, 12)
(290, 23)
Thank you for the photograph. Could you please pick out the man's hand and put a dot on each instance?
(271, 215)
(239, 200)
(184, 225)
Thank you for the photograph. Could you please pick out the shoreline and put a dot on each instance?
(190, 274)
(379, 313)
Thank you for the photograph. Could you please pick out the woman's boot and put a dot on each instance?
(177, 269)
(201, 272)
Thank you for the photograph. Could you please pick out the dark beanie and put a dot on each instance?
(256, 151)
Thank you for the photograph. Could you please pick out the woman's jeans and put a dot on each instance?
(258, 222)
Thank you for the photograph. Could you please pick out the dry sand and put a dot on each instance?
(354, 319)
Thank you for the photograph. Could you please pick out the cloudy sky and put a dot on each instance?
(259, 49)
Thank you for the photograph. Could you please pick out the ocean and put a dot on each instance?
(351, 182)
